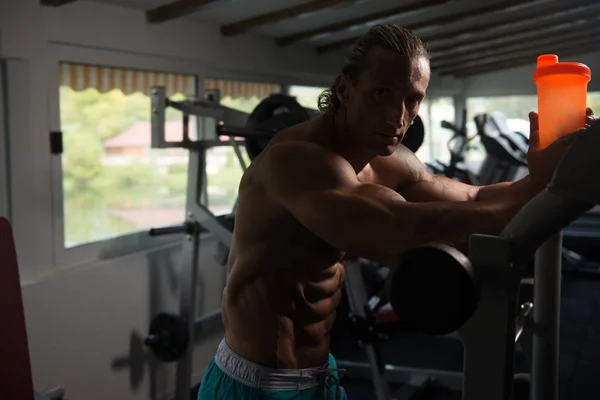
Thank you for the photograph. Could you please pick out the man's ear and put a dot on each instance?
(342, 88)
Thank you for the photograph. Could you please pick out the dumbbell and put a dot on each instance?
(432, 288)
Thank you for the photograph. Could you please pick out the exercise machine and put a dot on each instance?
(436, 289)
(458, 146)
(506, 151)
(17, 382)
(507, 161)
(171, 336)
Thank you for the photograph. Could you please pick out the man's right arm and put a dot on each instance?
(322, 191)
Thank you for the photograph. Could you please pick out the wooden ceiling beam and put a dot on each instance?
(523, 59)
(175, 9)
(485, 32)
(55, 3)
(553, 14)
(542, 47)
(339, 26)
(279, 15)
(437, 21)
(564, 32)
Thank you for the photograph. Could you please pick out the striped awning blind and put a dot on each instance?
(80, 77)
(235, 89)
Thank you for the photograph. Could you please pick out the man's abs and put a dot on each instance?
(283, 318)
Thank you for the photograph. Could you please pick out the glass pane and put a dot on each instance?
(307, 96)
(113, 182)
(593, 101)
(424, 152)
(515, 108)
(433, 112)
(223, 175)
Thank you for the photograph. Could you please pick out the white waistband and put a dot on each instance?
(257, 376)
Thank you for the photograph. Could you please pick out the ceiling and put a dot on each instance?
(465, 39)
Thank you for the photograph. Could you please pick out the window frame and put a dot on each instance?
(5, 194)
(124, 244)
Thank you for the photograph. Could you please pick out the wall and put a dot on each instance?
(4, 183)
(85, 319)
(520, 80)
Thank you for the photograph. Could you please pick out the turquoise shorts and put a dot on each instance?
(229, 376)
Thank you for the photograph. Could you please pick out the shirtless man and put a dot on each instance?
(341, 183)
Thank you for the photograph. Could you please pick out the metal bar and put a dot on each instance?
(189, 274)
(208, 221)
(523, 318)
(234, 131)
(56, 393)
(357, 300)
(158, 104)
(169, 230)
(238, 153)
(536, 222)
(488, 336)
(400, 374)
(546, 319)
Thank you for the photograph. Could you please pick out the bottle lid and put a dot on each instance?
(547, 64)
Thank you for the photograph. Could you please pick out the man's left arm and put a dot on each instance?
(418, 185)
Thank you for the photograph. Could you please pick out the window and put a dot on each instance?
(306, 96)
(593, 101)
(516, 109)
(113, 183)
(223, 175)
(223, 169)
(433, 111)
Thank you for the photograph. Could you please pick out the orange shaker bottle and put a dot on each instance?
(562, 97)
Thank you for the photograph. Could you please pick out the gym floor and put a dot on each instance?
(579, 348)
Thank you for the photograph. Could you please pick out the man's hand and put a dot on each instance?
(543, 162)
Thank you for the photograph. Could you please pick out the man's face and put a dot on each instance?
(385, 100)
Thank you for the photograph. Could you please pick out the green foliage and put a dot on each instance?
(593, 101)
(82, 163)
(95, 185)
(223, 185)
(92, 187)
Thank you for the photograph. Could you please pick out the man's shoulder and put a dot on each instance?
(403, 167)
(287, 152)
